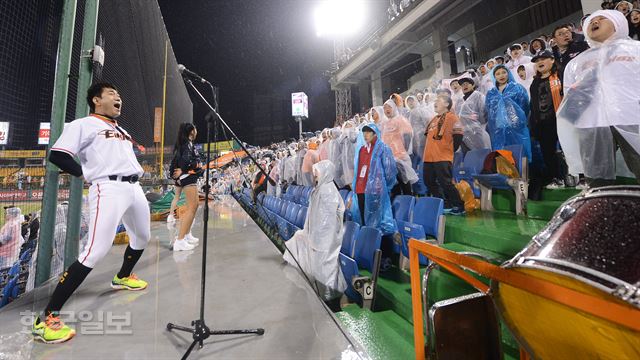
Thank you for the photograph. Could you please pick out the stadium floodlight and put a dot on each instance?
(339, 18)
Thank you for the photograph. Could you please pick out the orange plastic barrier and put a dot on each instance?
(454, 262)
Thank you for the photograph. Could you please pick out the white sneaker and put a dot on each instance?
(555, 185)
(191, 239)
(182, 245)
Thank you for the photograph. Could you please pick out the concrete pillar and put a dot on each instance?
(441, 57)
(365, 97)
(376, 88)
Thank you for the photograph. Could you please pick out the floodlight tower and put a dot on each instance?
(337, 19)
(343, 92)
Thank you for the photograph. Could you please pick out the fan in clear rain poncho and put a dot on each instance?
(302, 150)
(472, 117)
(378, 117)
(348, 140)
(525, 76)
(601, 106)
(419, 116)
(11, 237)
(507, 107)
(335, 156)
(398, 135)
(486, 81)
(317, 246)
(323, 148)
(375, 175)
(518, 58)
(274, 174)
(289, 173)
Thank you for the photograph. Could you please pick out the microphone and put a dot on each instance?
(186, 72)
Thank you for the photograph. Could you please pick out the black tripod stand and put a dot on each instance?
(200, 330)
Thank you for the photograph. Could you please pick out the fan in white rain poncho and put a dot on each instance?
(419, 115)
(274, 174)
(473, 118)
(11, 237)
(302, 150)
(378, 117)
(334, 154)
(456, 91)
(528, 72)
(317, 246)
(348, 140)
(429, 101)
(517, 58)
(601, 105)
(486, 81)
(290, 167)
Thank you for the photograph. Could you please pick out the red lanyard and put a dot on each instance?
(114, 124)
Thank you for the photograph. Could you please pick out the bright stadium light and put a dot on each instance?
(339, 18)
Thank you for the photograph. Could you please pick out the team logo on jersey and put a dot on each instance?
(112, 134)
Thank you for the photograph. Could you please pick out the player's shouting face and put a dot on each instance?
(108, 103)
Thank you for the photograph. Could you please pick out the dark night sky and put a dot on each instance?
(266, 47)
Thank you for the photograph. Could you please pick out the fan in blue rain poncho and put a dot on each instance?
(317, 246)
(601, 107)
(507, 107)
(376, 180)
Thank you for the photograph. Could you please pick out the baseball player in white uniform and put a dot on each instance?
(108, 162)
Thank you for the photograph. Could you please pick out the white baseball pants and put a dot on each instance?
(110, 202)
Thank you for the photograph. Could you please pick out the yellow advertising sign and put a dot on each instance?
(221, 146)
(22, 153)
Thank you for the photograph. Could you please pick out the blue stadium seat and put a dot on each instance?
(26, 256)
(488, 182)
(303, 198)
(347, 205)
(282, 212)
(458, 159)
(403, 207)
(302, 216)
(349, 271)
(10, 291)
(4, 277)
(429, 213)
(407, 231)
(343, 194)
(292, 213)
(351, 231)
(428, 221)
(473, 163)
(367, 244)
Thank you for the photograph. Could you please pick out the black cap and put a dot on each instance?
(544, 54)
(466, 80)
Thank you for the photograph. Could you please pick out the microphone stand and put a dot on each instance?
(199, 329)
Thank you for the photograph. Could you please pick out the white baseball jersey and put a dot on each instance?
(106, 149)
(103, 147)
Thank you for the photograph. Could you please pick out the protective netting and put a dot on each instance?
(135, 40)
